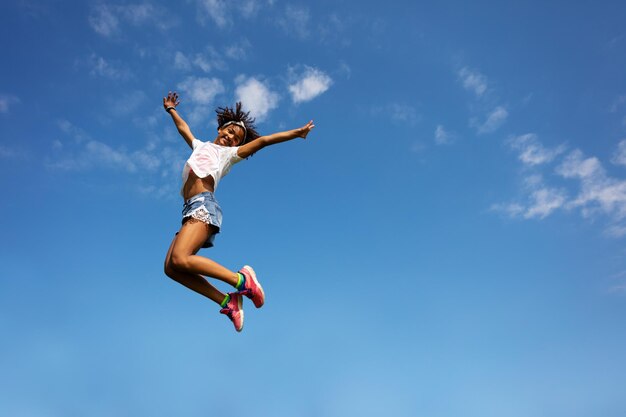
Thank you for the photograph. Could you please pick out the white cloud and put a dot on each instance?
(494, 120)
(599, 193)
(310, 84)
(6, 101)
(256, 97)
(531, 151)
(541, 200)
(574, 166)
(201, 90)
(619, 156)
(442, 136)
(473, 81)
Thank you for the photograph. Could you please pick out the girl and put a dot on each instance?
(236, 139)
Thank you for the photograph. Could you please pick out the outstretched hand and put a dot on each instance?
(171, 100)
(304, 130)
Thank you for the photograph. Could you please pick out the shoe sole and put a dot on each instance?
(240, 305)
(253, 275)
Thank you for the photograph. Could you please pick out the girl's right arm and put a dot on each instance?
(169, 103)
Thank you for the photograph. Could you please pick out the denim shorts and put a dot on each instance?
(204, 207)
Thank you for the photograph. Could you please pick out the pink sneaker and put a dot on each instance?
(252, 289)
(234, 310)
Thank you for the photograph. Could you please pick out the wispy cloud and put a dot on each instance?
(619, 156)
(296, 21)
(256, 96)
(594, 193)
(494, 120)
(599, 193)
(11, 153)
(206, 61)
(105, 19)
(473, 81)
(403, 113)
(216, 10)
(238, 50)
(223, 13)
(531, 151)
(309, 84)
(540, 201)
(399, 113)
(100, 67)
(200, 92)
(618, 103)
(443, 136)
(181, 61)
(86, 153)
(7, 101)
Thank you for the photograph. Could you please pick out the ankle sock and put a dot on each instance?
(241, 282)
(225, 302)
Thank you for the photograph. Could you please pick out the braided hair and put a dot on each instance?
(228, 114)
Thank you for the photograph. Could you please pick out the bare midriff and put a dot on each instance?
(196, 185)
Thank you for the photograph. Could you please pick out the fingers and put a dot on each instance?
(171, 99)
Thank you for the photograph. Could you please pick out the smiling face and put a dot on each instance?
(231, 135)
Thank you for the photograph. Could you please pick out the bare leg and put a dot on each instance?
(182, 256)
(194, 282)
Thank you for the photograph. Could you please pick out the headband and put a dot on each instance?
(240, 124)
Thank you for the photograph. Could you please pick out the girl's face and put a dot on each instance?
(231, 135)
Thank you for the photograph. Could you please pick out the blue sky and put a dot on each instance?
(449, 241)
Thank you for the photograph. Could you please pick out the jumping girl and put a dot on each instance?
(236, 140)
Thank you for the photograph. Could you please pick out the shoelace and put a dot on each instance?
(227, 311)
(246, 292)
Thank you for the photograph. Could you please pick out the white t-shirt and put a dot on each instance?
(209, 159)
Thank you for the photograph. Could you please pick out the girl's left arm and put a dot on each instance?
(261, 142)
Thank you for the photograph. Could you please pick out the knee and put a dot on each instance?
(177, 262)
(169, 271)
(169, 268)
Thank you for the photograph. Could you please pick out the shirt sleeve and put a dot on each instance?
(233, 157)
(195, 143)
